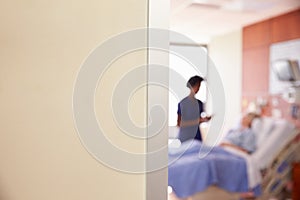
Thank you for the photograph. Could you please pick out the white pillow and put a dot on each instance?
(281, 133)
(256, 125)
(263, 130)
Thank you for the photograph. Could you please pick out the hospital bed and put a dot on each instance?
(192, 178)
(277, 177)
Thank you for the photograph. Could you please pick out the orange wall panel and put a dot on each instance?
(286, 27)
(257, 39)
(257, 34)
(256, 71)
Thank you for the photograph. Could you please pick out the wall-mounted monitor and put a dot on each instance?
(284, 66)
(286, 70)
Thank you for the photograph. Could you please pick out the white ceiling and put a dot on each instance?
(202, 19)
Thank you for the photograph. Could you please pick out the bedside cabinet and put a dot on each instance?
(296, 181)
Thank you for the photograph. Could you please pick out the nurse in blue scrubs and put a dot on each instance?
(189, 112)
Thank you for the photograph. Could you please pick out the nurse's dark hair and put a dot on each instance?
(193, 81)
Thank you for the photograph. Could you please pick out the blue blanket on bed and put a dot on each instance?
(189, 173)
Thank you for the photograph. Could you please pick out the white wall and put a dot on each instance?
(226, 53)
(157, 181)
(43, 44)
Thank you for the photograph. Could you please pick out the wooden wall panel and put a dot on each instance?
(257, 39)
(286, 27)
(256, 71)
(257, 34)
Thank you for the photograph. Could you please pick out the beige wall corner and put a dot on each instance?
(226, 53)
(43, 44)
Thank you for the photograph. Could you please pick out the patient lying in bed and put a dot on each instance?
(189, 172)
(242, 137)
(228, 169)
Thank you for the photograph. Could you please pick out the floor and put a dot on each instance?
(212, 193)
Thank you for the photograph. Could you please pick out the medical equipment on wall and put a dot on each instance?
(288, 71)
(292, 95)
(284, 66)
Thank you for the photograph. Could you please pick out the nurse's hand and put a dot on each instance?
(204, 119)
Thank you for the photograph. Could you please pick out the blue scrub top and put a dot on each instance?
(190, 109)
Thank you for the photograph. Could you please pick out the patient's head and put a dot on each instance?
(247, 119)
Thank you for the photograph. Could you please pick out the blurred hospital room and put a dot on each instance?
(255, 48)
(150, 100)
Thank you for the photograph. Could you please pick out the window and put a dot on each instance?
(185, 62)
